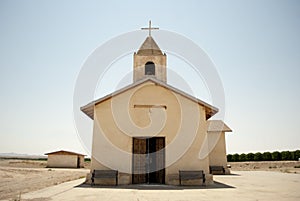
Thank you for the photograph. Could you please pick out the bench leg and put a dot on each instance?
(179, 180)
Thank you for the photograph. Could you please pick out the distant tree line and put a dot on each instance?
(266, 156)
(23, 158)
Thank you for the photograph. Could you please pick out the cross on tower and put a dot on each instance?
(150, 28)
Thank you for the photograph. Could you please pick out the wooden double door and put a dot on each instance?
(148, 164)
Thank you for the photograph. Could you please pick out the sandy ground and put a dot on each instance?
(22, 176)
(277, 166)
(240, 186)
(17, 177)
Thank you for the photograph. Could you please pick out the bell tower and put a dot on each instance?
(149, 61)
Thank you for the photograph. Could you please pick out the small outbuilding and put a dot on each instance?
(65, 159)
(216, 130)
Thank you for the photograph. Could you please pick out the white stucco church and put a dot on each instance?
(152, 132)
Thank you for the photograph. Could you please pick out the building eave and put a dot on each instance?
(65, 152)
(89, 108)
(217, 126)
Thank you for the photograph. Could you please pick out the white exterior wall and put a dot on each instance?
(217, 147)
(181, 113)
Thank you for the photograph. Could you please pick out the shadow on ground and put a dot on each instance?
(216, 185)
(226, 175)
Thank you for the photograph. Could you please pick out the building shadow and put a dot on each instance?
(216, 185)
(227, 175)
(232, 174)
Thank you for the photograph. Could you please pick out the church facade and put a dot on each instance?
(149, 131)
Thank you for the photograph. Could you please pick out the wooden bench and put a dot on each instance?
(216, 169)
(191, 175)
(104, 174)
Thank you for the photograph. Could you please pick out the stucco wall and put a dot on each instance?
(62, 161)
(160, 62)
(112, 142)
(217, 156)
(81, 164)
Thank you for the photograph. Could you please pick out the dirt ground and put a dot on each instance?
(22, 176)
(277, 166)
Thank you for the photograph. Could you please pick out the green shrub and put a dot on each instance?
(250, 157)
(286, 155)
(296, 155)
(267, 156)
(258, 156)
(276, 156)
(229, 157)
(235, 158)
(243, 157)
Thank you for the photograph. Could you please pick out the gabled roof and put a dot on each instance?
(149, 47)
(217, 125)
(62, 152)
(209, 109)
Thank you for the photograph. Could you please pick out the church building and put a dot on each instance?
(150, 132)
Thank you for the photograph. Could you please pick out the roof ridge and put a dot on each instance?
(89, 108)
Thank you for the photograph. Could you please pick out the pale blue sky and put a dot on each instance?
(254, 44)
